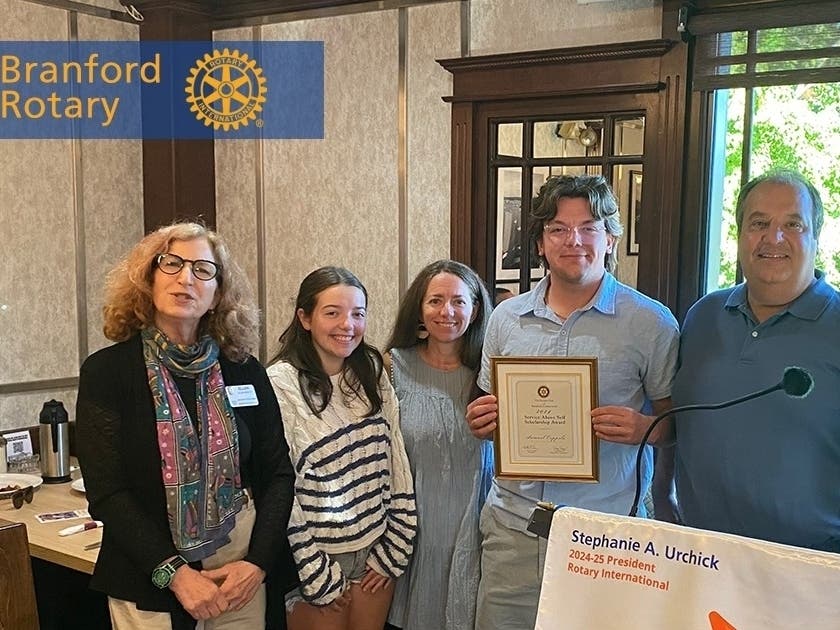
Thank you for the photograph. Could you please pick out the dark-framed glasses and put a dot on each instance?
(20, 495)
(171, 264)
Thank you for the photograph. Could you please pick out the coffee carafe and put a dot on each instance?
(55, 443)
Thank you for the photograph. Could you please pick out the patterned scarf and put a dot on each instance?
(200, 469)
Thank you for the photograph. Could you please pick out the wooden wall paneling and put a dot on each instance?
(575, 71)
(659, 256)
(694, 223)
(680, 272)
(659, 264)
(178, 175)
(461, 189)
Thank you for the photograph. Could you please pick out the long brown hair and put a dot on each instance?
(363, 368)
(404, 334)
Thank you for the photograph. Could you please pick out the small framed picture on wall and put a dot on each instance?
(634, 212)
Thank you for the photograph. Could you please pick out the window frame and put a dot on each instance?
(724, 15)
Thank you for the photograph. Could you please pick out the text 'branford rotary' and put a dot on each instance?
(19, 102)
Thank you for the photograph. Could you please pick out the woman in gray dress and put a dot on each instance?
(435, 353)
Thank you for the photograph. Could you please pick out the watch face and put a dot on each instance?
(161, 577)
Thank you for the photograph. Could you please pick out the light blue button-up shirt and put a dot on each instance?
(636, 340)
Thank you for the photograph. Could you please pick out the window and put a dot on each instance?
(769, 85)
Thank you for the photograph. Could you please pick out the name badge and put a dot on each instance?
(242, 395)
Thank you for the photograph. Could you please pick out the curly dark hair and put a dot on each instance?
(602, 204)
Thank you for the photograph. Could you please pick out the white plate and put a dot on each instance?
(78, 485)
(19, 480)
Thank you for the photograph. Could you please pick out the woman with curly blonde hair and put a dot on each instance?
(129, 305)
(181, 442)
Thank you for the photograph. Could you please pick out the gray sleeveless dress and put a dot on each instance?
(452, 471)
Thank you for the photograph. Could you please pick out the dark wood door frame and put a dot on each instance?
(640, 101)
(646, 75)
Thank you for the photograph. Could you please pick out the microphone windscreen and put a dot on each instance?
(797, 382)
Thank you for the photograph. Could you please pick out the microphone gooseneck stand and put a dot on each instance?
(796, 383)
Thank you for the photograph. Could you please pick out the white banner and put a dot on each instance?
(605, 572)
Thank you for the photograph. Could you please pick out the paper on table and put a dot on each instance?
(51, 517)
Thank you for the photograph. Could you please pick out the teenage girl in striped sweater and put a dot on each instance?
(353, 519)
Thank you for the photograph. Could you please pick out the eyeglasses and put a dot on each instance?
(21, 495)
(560, 232)
(171, 264)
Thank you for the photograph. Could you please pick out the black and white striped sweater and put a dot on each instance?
(353, 485)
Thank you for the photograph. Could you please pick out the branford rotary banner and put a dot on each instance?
(162, 89)
(605, 572)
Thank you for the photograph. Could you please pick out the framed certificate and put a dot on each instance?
(545, 425)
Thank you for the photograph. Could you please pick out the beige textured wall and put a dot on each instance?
(306, 184)
(237, 187)
(433, 33)
(37, 282)
(39, 212)
(112, 193)
(517, 25)
(326, 202)
(334, 201)
(21, 410)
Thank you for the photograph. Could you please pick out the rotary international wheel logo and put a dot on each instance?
(226, 89)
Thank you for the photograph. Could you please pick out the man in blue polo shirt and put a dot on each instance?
(768, 468)
(578, 309)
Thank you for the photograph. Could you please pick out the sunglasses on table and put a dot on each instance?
(20, 495)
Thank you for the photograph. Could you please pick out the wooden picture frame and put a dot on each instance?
(544, 429)
(634, 211)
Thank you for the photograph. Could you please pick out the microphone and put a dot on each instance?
(796, 383)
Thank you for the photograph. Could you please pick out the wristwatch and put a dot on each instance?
(165, 571)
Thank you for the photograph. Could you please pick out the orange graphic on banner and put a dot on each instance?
(719, 623)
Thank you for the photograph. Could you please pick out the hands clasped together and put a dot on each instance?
(209, 593)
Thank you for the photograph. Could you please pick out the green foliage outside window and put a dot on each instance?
(793, 126)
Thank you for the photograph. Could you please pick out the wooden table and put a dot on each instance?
(44, 541)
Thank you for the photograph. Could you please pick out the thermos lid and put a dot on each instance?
(53, 412)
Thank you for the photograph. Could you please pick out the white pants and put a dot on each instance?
(126, 616)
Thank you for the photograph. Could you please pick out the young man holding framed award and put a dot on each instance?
(621, 348)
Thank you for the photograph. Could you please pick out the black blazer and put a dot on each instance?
(118, 452)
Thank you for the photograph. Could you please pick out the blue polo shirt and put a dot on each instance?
(636, 340)
(768, 468)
